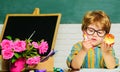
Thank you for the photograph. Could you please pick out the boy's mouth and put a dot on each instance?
(93, 39)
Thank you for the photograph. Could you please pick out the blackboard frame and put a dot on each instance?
(54, 20)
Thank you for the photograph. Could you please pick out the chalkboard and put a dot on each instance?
(22, 26)
(72, 10)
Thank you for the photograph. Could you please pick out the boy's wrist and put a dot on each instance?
(106, 52)
(85, 51)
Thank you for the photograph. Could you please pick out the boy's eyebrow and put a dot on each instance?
(95, 29)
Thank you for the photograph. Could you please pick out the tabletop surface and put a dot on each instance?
(95, 70)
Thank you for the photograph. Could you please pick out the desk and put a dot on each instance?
(96, 70)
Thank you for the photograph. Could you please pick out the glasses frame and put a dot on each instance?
(97, 31)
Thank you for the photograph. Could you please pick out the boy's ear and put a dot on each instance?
(83, 31)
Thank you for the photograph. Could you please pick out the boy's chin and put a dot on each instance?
(95, 44)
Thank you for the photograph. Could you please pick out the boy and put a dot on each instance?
(93, 52)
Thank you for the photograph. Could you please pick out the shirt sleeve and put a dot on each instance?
(74, 51)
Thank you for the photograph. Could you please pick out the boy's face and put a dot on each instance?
(95, 33)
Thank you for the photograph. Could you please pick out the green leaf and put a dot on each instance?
(17, 39)
(13, 60)
(9, 37)
(17, 55)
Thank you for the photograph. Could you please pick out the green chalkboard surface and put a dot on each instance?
(72, 10)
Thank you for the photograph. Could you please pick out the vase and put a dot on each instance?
(18, 65)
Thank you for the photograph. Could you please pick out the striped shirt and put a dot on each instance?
(93, 58)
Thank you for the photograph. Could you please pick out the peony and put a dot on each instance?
(33, 60)
(43, 47)
(18, 65)
(7, 54)
(35, 45)
(6, 44)
(19, 46)
(22, 53)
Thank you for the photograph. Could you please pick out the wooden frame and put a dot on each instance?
(23, 25)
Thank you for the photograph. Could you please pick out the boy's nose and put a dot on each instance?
(95, 34)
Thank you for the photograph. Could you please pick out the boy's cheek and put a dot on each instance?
(101, 40)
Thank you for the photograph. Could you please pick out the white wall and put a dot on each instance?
(68, 34)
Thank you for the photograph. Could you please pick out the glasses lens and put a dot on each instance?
(90, 31)
(101, 33)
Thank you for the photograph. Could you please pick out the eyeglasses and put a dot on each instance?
(91, 31)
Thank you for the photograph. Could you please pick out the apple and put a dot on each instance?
(109, 39)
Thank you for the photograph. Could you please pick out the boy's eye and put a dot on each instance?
(101, 32)
(91, 30)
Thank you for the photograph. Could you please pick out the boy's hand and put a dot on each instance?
(86, 44)
(106, 47)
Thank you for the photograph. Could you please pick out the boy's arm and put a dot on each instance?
(108, 51)
(74, 51)
(76, 57)
(109, 59)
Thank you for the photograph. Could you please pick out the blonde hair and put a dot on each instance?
(98, 18)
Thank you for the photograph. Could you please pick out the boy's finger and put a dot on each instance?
(85, 36)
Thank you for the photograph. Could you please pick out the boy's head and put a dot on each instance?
(96, 25)
(98, 18)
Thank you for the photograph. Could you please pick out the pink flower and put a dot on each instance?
(18, 65)
(7, 54)
(35, 45)
(6, 44)
(19, 46)
(43, 47)
(33, 60)
(22, 48)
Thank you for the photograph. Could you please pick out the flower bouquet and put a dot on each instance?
(22, 53)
